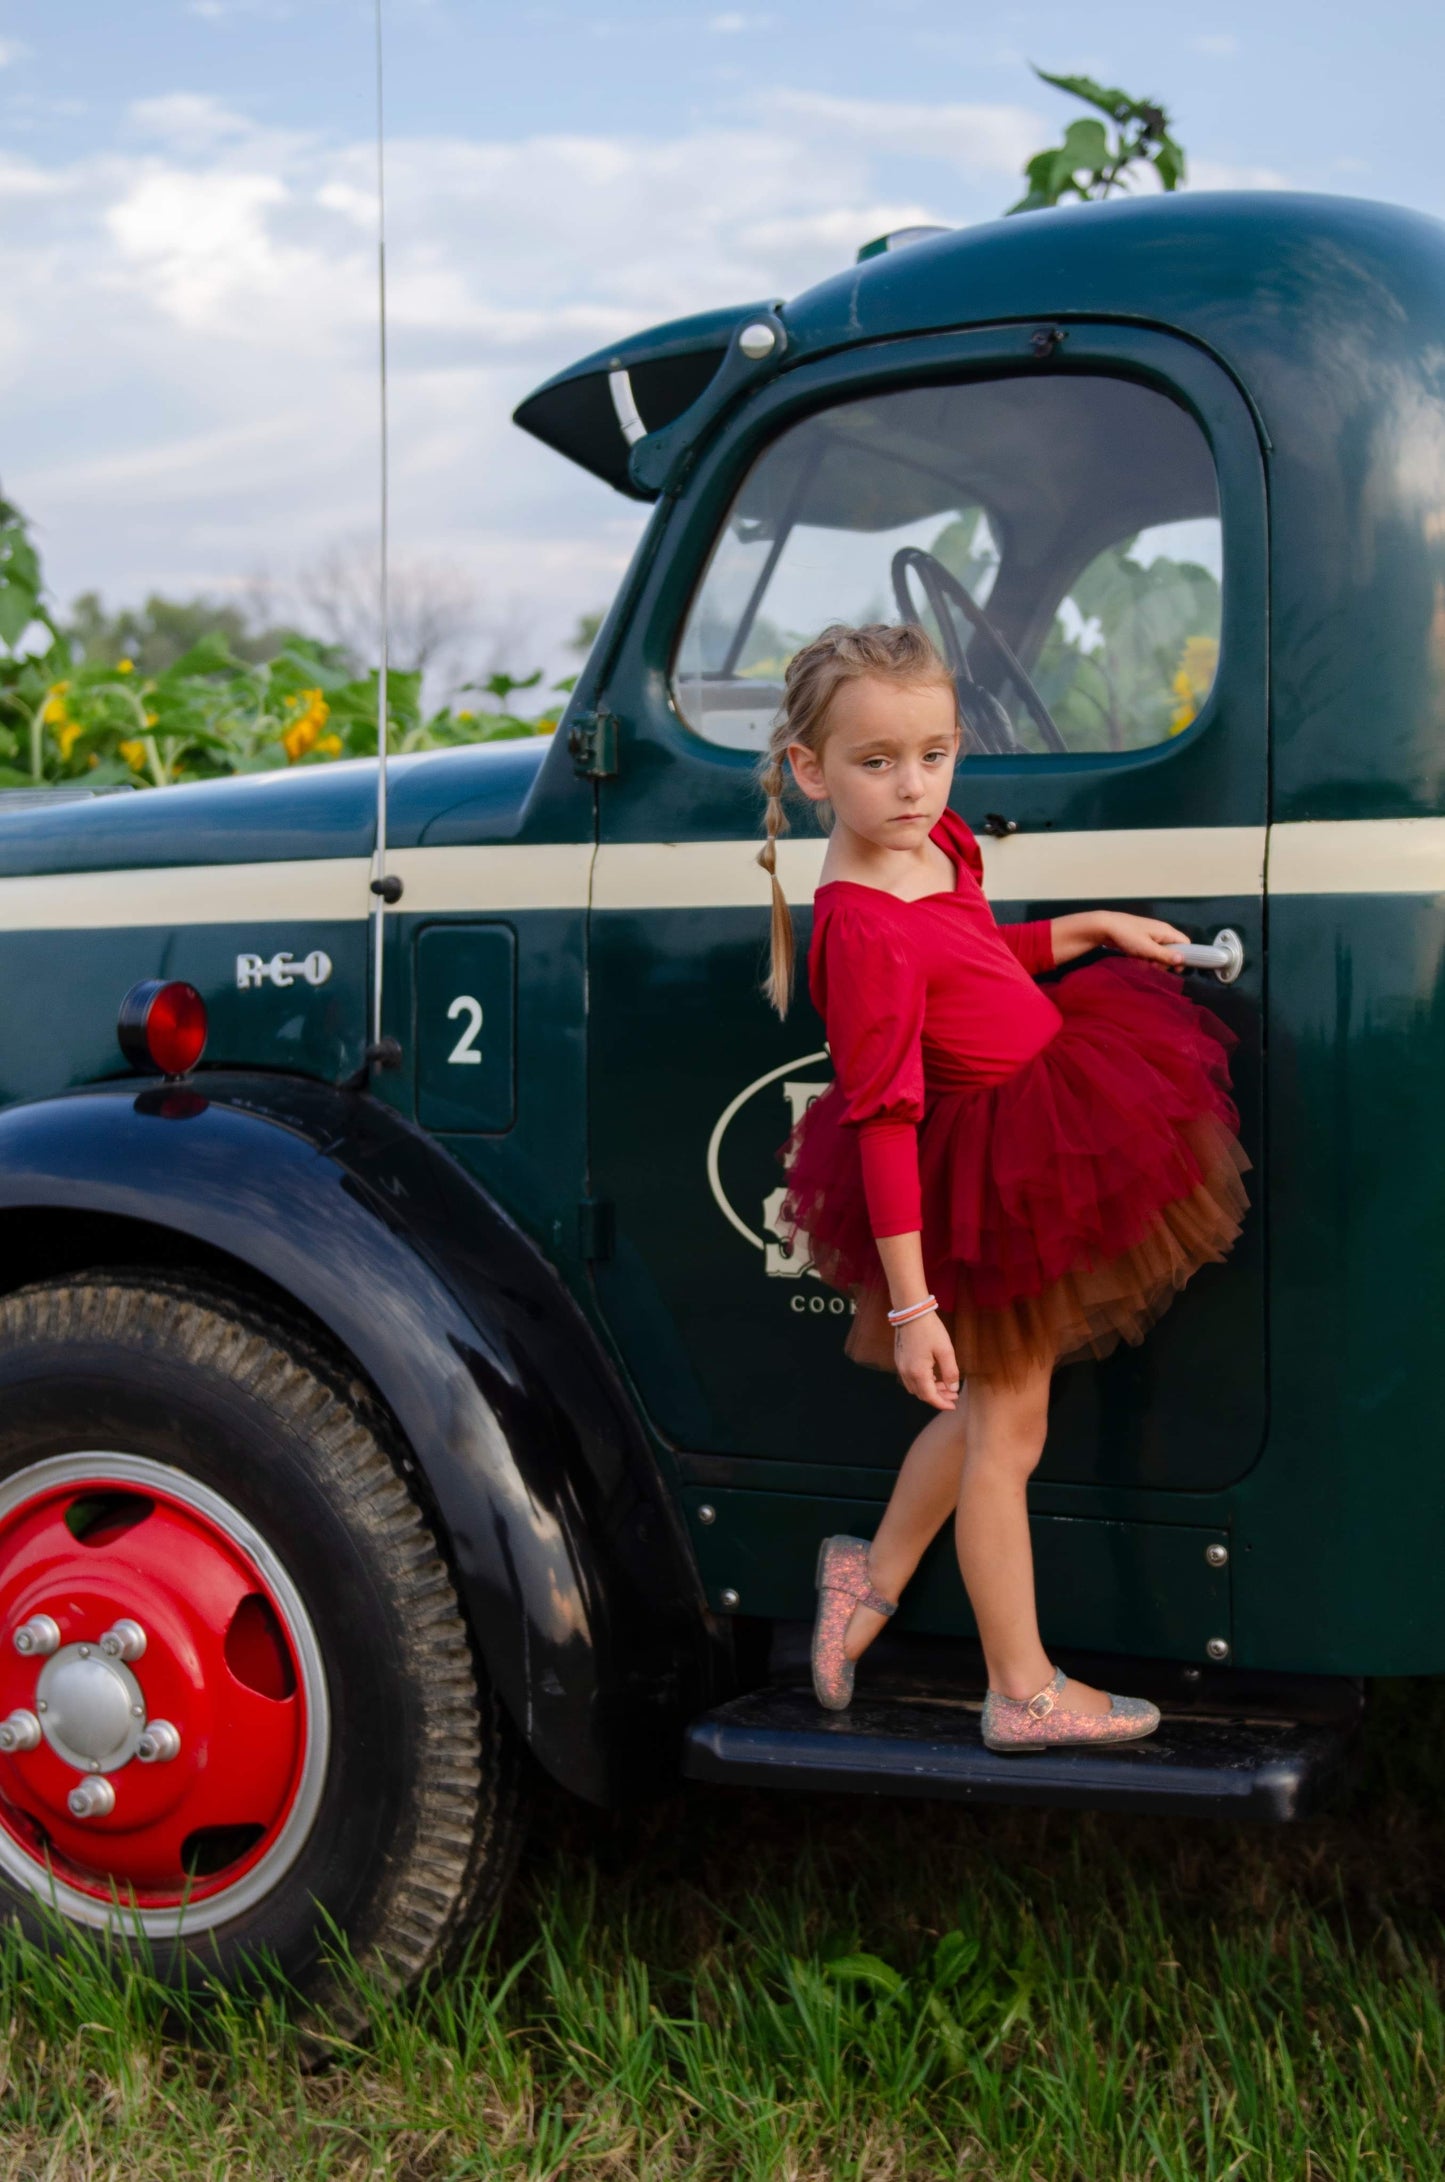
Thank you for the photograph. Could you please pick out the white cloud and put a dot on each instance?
(987, 139)
(1223, 174)
(188, 122)
(188, 328)
(11, 51)
(1220, 45)
(220, 11)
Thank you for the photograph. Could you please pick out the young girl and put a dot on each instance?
(1025, 1174)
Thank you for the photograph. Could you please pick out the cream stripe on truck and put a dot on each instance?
(1173, 863)
(1168, 862)
(1358, 856)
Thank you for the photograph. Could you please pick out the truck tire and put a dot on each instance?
(239, 1707)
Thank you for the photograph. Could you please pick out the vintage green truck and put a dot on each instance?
(380, 1419)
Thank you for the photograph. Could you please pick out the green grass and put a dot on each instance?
(798, 1988)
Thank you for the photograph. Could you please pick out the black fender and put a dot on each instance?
(578, 1582)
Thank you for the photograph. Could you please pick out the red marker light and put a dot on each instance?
(162, 1027)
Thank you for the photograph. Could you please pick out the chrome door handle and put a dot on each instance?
(1224, 956)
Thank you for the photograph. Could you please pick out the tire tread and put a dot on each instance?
(467, 1816)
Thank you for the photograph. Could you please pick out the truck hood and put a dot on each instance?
(436, 798)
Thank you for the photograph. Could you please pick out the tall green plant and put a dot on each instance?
(1090, 163)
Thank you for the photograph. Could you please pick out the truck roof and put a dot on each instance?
(1263, 278)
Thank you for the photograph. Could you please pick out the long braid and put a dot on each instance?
(899, 652)
(778, 984)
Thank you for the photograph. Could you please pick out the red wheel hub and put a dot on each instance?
(192, 1743)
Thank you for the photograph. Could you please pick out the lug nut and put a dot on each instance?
(38, 1637)
(94, 1798)
(20, 1732)
(124, 1640)
(160, 1743)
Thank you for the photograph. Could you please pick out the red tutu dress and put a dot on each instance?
(1069, 1155)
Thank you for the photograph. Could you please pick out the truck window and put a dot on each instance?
(1080, 515)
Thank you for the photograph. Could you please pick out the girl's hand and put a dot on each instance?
(926, 1362)
(1147, 937)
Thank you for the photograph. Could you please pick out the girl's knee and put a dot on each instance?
(1008, 1415)
(1012, 1452)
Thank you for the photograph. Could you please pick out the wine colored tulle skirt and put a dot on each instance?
(1064, 1208)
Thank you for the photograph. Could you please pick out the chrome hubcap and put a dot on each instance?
(91, 1709)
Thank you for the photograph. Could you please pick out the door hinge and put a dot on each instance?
(594, 1227)
(592, 740)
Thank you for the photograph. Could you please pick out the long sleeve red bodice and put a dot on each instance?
(921, 996)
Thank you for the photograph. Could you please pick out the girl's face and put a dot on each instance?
(887, 758)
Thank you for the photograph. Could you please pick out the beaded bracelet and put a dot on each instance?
(912, 1310)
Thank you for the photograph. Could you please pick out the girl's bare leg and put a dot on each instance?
(924, 1495)
(976, 1460)
(1006, 1428)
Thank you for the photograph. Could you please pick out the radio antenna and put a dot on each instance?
(383, 888)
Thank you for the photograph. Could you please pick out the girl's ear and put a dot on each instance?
(807, 772)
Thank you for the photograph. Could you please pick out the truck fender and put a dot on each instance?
(580, 1588)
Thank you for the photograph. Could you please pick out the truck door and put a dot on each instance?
(1103, 517)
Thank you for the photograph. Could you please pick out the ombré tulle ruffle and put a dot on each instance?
(1063, 1208)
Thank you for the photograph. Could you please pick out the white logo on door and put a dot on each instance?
(794, 1094)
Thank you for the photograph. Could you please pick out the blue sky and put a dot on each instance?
(186, 279)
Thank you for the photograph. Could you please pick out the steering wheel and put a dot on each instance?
(990, 731)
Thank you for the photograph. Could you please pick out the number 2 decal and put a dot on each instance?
(464, 1052)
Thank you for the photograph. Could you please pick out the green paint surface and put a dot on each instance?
(1103, 1585)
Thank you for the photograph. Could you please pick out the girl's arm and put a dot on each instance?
(1148, 937)
(921, 1349)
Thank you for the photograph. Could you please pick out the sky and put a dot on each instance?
(188, 349)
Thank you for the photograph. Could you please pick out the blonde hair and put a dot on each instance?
(894, 651)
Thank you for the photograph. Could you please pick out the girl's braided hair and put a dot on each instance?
(894, 651)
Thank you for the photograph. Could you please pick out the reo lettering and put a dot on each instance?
(282, 970)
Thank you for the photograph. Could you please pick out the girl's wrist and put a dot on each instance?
(905, 1314)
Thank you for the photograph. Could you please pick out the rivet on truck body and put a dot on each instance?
(757, 341)
(705, 1514)
(1216, 1554)
(1218, 1648)
(730, 1600)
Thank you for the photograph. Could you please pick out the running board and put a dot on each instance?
(1220, 1765)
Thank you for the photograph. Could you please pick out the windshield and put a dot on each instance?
(1059, 538)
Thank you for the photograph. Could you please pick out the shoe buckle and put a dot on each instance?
(1041, 1705)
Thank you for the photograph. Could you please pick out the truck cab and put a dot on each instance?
(435, 1411)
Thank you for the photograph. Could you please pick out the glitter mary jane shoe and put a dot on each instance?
(843, 1583)
(1035, 1723)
